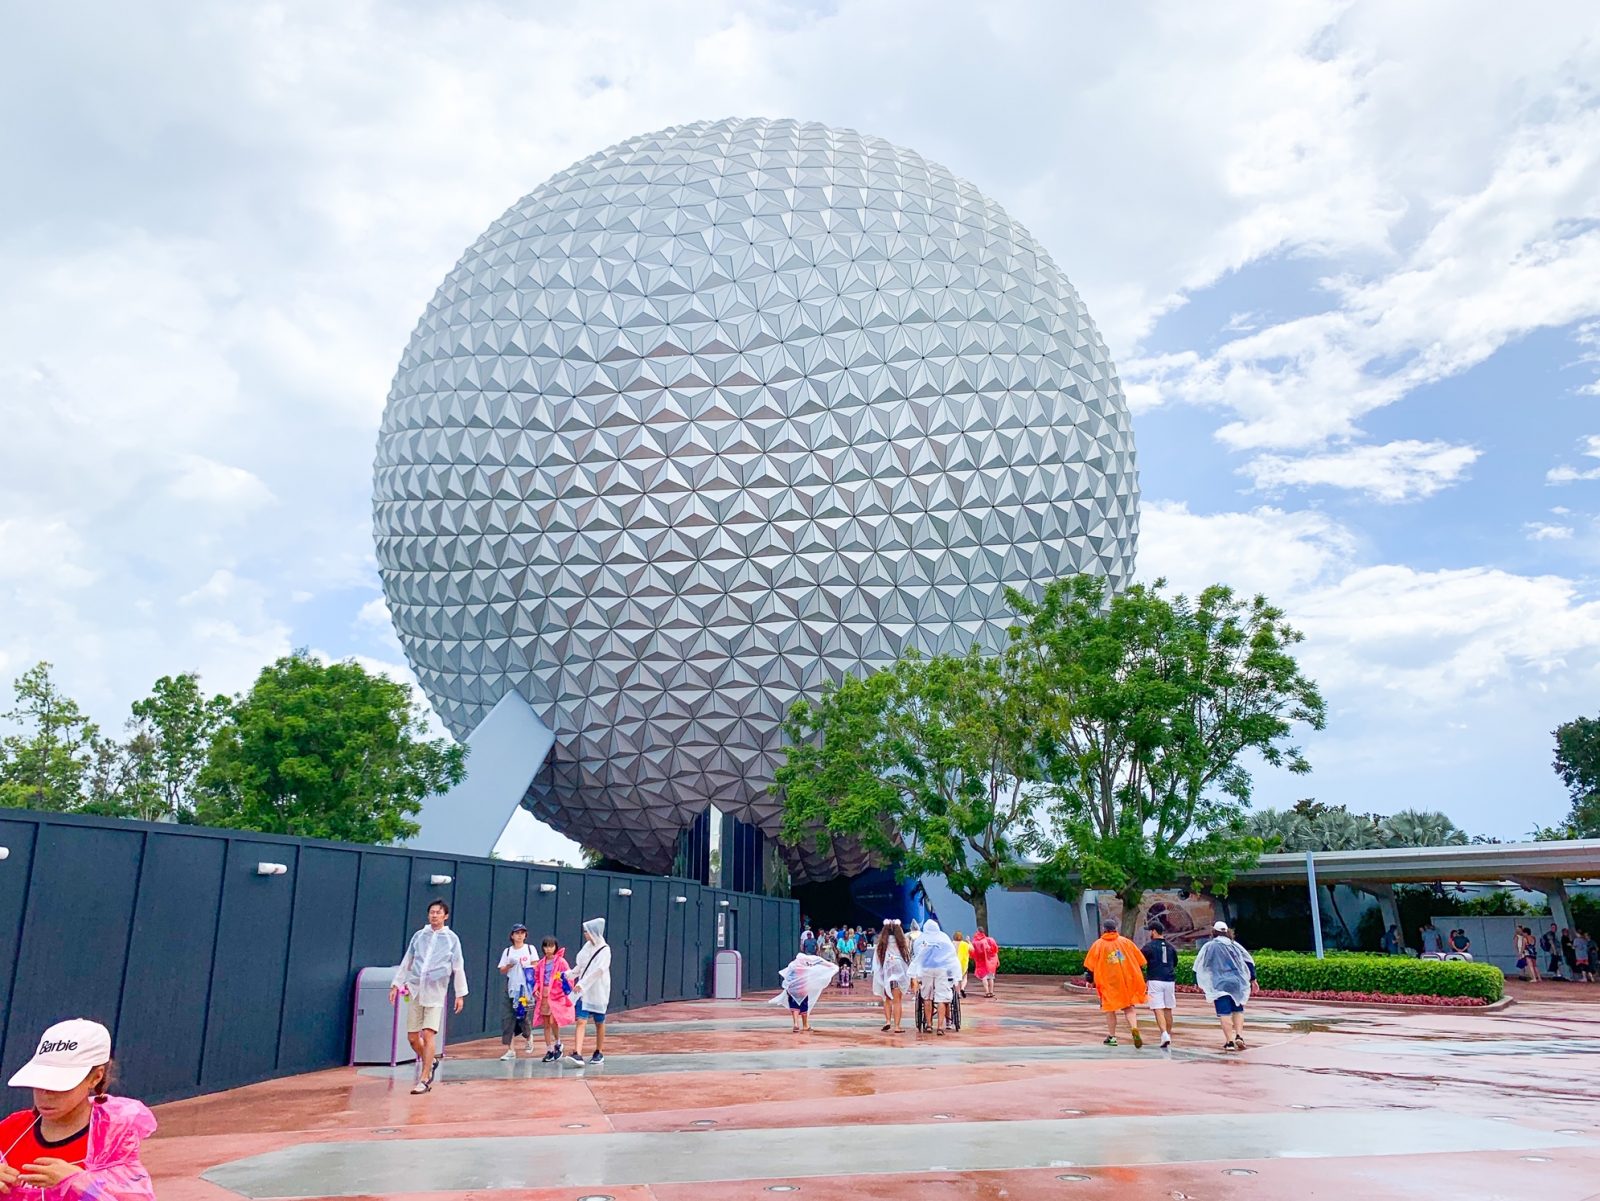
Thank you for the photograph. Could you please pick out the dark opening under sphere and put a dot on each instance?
(716, 415)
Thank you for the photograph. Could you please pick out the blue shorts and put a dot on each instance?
(803, 1004)
(1226, 1005)
(584, 1015)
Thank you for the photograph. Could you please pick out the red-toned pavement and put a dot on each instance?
(718, 1100)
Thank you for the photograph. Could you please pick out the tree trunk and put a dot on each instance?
(1130, 915)
(980, 910)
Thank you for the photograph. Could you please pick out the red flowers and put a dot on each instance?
(1371, 998)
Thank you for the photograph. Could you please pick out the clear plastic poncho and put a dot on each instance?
(805, 978)
(1222, 969)
(432, 958)
(934, 953)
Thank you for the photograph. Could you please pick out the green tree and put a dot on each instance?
(170, 736)
(1421, 828)
(45, 763)
(324, 750)
(924, 764)
(1149, 707)
(121, 780)
(1577, 762)
(1282, 830)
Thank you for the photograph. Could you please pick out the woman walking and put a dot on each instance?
(516, 964)
(1224, 970)
(589, 985)
(891, 974)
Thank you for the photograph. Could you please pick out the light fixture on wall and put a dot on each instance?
(5, 852)
(680, 900)
(271, 869)
(440, 879)
(547, 888)
(624, 892)
(724, 904)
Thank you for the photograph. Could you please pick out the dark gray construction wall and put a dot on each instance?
(211, 976)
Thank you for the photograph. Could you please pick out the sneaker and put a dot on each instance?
(551, 1056)
(1166, 1039)
(575, 1061)
(510, 1054)
(1112, 1041)
(1138, 1039)
(597, 1058)
(557, 1048)
(1230, 1046)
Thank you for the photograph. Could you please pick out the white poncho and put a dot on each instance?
(804, 979)
(934, 954)
(1222, 969)
(432, 959)
(890, 970)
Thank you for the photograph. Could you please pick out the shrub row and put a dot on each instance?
(1040, 961)
(1288, 971)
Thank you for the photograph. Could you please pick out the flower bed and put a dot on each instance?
(1370, 998)
(1394, 979)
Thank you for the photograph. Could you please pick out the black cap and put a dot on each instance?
(1153, 927)
(519, 926)
(1108, 925)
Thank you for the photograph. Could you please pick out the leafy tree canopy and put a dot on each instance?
(1577, 762)
(324, 750)
(45, 762)
(925, 764)
(1150, 704)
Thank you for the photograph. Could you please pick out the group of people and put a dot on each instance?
(921, 960)
(1569, 954)
(1128, 977)
(543, 991)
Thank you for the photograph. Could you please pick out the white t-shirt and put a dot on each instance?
(518, 958)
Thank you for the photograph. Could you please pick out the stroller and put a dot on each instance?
(844, 972)
(924, 1008)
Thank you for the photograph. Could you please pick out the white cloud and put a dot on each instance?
(1518, 253)
(218, 486)
(1439, 680)
(1543, 531)
(1395, 471)
(1589, 447)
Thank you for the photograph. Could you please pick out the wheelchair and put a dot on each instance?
(923, 1004)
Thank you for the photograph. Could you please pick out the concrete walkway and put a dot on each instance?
(716, 1101)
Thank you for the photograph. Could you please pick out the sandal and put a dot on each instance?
(887, 1027)
(940, 1031)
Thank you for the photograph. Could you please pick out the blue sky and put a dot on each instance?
(1345, 257)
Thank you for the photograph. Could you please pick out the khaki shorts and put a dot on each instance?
(423, 1017)
(936, 987)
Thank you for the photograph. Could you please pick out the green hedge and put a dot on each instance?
(1040, 961)
(1391, 975)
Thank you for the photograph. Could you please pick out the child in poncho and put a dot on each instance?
(803, 982)
(553, 1008)
(76, 1142)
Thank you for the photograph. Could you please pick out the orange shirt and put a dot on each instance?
(1115, 963)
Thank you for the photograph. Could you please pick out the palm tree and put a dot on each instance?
(1341, 830)
(1421, 828)
(1281, 829)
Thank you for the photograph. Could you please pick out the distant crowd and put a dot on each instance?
(1568, 954)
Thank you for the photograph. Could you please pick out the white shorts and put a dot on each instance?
(936, 987)
(423, 1017)
(1163, 994)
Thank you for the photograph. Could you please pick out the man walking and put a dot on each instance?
(1161, 979)
(1114, 962)
(432, 962)
(1550, 940)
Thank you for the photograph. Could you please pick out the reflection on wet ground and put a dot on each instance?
(719, 1101)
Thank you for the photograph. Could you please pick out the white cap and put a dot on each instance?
(1220, 927)
(67, 1053)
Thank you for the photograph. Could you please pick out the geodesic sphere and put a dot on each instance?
(714, 416)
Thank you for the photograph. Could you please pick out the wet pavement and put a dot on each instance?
(719, 1100)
